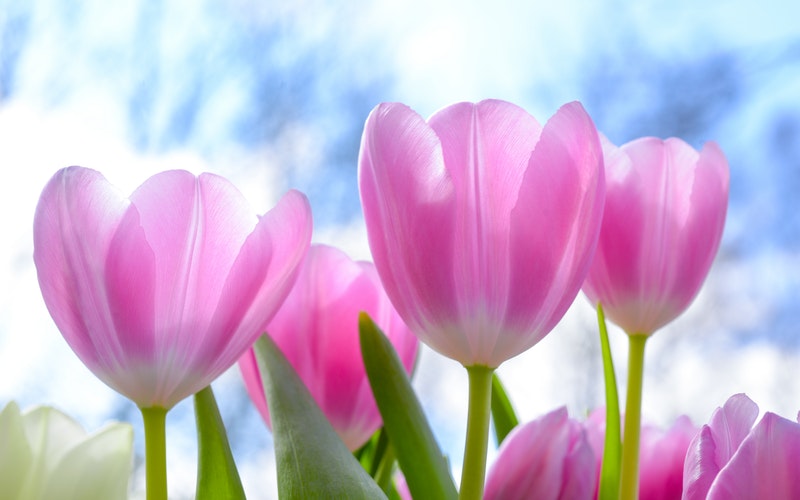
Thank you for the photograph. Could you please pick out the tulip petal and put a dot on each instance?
(554, 226)
(536, 461)
(713, 447)
(97, 467)
(486, 149)
(765, 465)
(15, 455)
(407, 194)
(75, 222)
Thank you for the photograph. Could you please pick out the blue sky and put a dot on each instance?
(273, 95)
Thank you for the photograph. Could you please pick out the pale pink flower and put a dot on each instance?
(731, 459)
(482, 223)
(160, 293)
(548, 458)
(662, 225)
(316, 328)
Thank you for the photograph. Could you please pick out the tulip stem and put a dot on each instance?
(155, 451)
(629, 480)
(480, 407)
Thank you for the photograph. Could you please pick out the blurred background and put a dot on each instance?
(273, 95)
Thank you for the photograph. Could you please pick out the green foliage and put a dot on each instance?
(424, 467)
(312, 462)
(217, 476)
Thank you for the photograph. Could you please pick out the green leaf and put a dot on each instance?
(217, 476)
(612, 448)
(312, 461)
(503, 415)
(424, 467)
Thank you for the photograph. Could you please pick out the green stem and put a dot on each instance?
(610, 470)
(480, 404)
(385, 468)
(629, 481)
(155, 451)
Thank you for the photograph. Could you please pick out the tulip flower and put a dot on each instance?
(730, 458)
(46, 455)
(664, 214)
(160, 293)
(662, 454)
(316, 328)
(549, 457)
(482, 224)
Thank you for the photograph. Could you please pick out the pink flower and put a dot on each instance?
(482, 223)
(160, 293)
(549, 457)
(661, 454)
(664, 214)
(730, 458)
(317, 331)
(555, 456)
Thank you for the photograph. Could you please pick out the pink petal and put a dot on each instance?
(765, 465)
(716, 443)
(75, 222)
(407, 194)
(316, 328)
(554, 226)
(486, 147)
(546, 458)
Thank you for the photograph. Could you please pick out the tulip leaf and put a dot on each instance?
(424, 467)
(217, 476)
(312, 461)
(503, 415)
(612, 447)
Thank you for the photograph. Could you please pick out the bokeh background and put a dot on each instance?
(274, 95)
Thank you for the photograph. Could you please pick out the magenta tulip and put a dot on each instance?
(317, 330)
(664, 215)
(548, 458)
(731, 459)
(160, 293)
(482, 223)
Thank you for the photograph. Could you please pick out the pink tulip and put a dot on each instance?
(731, 459)
(548, 458)
(664, 214)
(482, 223)
(661, 454)
(160, 293)
(317, 331)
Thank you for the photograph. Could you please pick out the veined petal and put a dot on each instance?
(317, 328)
(716, 443)
(486, 148)
(75, 222)
(765, 465)
(546, 458)
(407, 197)
(554, 227)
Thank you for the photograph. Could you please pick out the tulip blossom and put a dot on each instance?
(664, 215)
(555, 456)
(46, 455)
(316, 328)
(482, 223)
(549, 458)
(730, 458)
(661, 453)
(160, 293)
